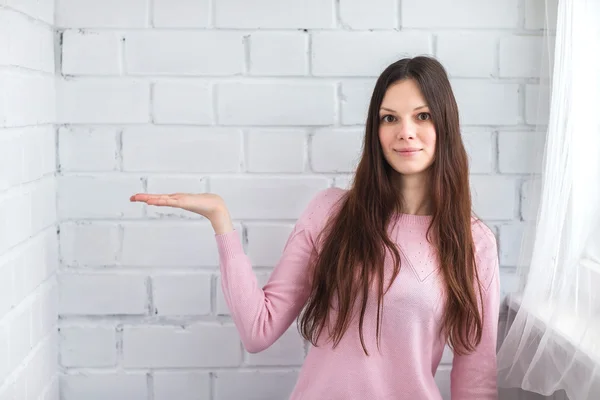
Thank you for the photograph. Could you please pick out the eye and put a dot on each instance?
(423, 116)
(388, 118)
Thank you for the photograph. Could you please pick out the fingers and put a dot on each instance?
(156, 199)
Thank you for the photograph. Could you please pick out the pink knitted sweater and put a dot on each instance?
(410, 347)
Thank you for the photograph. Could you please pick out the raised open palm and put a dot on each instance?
(208, 205)
(205, 204)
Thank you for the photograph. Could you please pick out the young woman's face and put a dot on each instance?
(406, 131)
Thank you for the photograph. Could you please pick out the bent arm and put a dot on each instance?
(262, 315)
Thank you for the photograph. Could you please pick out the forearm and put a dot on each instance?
(221, 222)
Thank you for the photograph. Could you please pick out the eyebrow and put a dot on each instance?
(418, 108)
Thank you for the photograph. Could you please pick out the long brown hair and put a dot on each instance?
(355, 242)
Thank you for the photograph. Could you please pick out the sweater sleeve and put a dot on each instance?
(474, 376)
(262, 315)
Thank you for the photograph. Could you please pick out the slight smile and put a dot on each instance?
(408, 151)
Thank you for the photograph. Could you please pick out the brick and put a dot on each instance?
(494, 197)
(182, 103)
(181, 13)
(4, 350)
(278, 53)
(483, 103)
(254, 385)
(521, 57)
(19, 336)
(275, 104)
(7, 392)
(347, 145)
(88, 346)
(197, 345)
(355, 98)
(460, 14)
(509, 282)
(182, 294)
(41, 201)
(98, 196)
(19, 275)
(40, 10)
(7, 289)
(5, 36)
(102, 386)
(183, 149)
(480, 150)
(342, 53)
(25, 212)
(44, 310)
(4, 103)
(30, 45)
(511, 236)
(88, 149)
(455, 52)
(115, 101)
(52, 390)
(520, 152)
(174, 184)
(19, 386)
(343, 182)
(267, 198)
(536, 13)
(167, 243)
(41, 370)
(101, 13)
(287, 350)
(377, 14)
(266, 242)
(181, 385)
(530, 198)
(34, 144)
(38, 147)
(89, 244)
(12, 213)
(184, 53)
(282, 14)
(290, 154)
(91, 53)
(537, 104)
(102, 294)
(31, 101)
(29, 265)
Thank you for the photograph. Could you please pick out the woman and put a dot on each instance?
(385, 274)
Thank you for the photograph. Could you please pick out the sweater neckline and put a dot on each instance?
(414, 220)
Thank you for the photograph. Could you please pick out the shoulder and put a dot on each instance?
(486, 251)
(322, 206)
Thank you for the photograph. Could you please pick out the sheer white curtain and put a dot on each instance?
(550, 331)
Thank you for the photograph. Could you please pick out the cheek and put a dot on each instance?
(429, 138)
(386, 136)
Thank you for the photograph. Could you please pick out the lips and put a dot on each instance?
(407, 151)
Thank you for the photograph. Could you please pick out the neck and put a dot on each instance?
(415, 191)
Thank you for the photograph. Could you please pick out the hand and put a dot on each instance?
(208, 205)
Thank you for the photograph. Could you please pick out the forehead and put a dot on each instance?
(403, 95)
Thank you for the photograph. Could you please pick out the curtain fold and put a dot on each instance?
(549, 337)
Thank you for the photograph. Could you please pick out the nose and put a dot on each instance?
(405, 130)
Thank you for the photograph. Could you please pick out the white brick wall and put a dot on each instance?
(28, 218)
(247, 101)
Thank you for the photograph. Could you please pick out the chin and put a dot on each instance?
(410, 171)
(404, 170)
